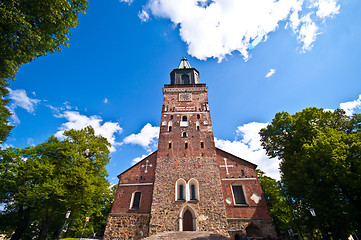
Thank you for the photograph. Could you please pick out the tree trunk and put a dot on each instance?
(45, 228)
(23, 220)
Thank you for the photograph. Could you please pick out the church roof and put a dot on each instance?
(184, 64)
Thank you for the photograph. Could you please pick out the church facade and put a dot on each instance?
(188, 184)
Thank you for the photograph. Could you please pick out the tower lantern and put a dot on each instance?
(184, 74)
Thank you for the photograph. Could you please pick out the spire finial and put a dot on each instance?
(184, 63)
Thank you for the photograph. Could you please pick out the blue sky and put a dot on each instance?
(257, 58)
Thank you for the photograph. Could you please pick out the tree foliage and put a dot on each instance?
(32, 28)
(320, 153)
(39, 184)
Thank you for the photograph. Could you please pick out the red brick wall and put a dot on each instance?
(177, 109)
(250, 183)
(135, 179)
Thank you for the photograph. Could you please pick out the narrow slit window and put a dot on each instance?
(171, 117)
(193, 192)
(181, 194)
(198, 116)
(170, 145)
(184, 118)
(202, 145)
(186, 145)
(242, 171)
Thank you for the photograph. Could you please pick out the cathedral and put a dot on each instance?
(188, 184)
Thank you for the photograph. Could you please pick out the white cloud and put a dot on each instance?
(19, 98)
(350, 107)
(126, 1)
(106, 100)
(307, 33)
(217, 28)
(78, 121)
(5, 146)
(147, 138)
(326, 8)
(270, 73)
(138, 159)
(249, 148)
(143, 16)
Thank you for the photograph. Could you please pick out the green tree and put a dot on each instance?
(43, 182)
(320, 153)
(30, 29)
(278, 207)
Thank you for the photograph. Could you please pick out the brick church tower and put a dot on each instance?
(188, 184)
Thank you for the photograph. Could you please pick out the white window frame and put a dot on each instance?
(244, 194)
(132, 200)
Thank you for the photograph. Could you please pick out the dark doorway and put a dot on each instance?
(253, 231)
(188, 221)
(237, 237)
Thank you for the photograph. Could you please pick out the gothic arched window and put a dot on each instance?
(180, 193)
(193, 189)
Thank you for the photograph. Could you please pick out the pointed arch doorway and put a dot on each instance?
(187, 219)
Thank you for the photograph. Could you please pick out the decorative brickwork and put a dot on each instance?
(127, 226)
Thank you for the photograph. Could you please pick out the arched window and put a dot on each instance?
(184, 134)
(170, 145)
(184, 118)
(169, 126)
(135, 202)
(193, 192)
(181, 192)
(238, 194)
(180, 187)
(202, 145)
(197, 126)
(193, 187)
(198, 116)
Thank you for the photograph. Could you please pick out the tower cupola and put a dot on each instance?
(184, 74)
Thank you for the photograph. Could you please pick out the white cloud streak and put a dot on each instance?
(217, 28)
(78, 121)
(350, 107)
(270, 73)
(147, 137)
(19, 98)
(249, 148)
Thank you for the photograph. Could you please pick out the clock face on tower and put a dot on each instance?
(183, 97)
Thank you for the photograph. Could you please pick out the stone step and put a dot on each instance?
(187, 236)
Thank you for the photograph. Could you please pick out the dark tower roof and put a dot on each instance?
(184, 74)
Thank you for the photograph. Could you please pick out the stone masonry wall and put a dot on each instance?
(210, 210)
(127, 226)
(240, 226)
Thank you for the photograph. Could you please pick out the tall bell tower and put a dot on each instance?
(187, 191)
